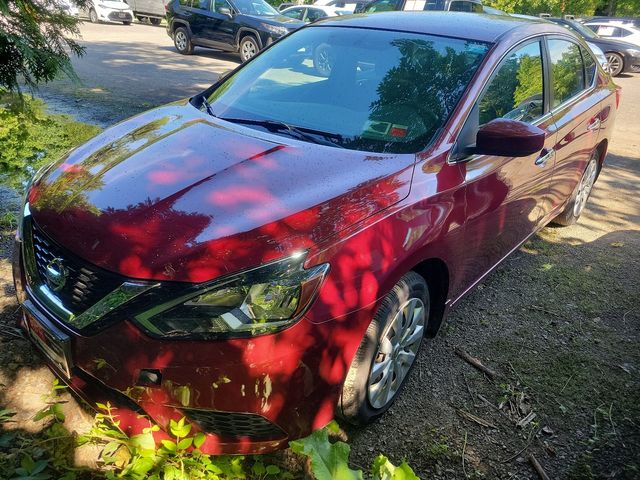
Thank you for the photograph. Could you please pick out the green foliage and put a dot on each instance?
(35, 41)
(383, 469)
(30, 137)
(328, 460)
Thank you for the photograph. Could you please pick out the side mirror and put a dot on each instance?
(225, 11)
(508, 138)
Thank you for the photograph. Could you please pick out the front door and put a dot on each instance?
(506, 197)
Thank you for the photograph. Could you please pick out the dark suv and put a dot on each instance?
(240, 26)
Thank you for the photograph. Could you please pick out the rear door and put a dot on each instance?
(576, 113)
(219, 29)
(507, 196)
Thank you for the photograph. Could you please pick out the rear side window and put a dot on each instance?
(296, 13)
(590, 67)
(314, 14)
(517, 89)
(465, 6)
(567, 70)
(382, 6)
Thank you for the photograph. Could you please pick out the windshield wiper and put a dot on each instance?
(305, 134)
(207, 106)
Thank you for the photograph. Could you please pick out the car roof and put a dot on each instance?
(472, 26)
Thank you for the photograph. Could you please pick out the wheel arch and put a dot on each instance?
(177, 23)
(243, 32)
(436, 274)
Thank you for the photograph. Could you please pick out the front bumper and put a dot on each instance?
(249, 395)
(114, 16)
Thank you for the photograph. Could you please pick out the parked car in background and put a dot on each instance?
(620, 56)
(239, 26)
(626, 32)
(68, 7)
(153, 10)
(284, 5)
(274, 250)
(111, 11)
(312, 13)
(473, 6)
(350, 5)
(632, 20)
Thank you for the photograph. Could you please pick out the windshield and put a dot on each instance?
(258, 8)
(365, 89)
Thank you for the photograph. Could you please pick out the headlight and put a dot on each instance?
(257, 301)
(280, 31)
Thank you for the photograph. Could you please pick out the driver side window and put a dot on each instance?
(218, 4)
(517, 89)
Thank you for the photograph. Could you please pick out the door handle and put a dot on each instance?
(594, 124)
(542, 160)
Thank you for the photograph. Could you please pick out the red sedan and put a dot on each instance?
(274, 250)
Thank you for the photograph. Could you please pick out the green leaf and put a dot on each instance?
(169, 445)
(383, 469)
(144, 441)
(199, 439)
(185, 443)
(27, 463)
(328, 460)
(179, 429)
(258, 468)
(273, 470)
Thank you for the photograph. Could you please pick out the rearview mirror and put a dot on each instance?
(225, 11)
(508, 138)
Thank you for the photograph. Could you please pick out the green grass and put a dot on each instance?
(31, 137)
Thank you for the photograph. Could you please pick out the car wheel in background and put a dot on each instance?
(182, 41)
(248, 48)
(576, 205)
(155, 21)
(387, 352)
(93, 16)
(615, 63)
(323, 59)
(126, 23)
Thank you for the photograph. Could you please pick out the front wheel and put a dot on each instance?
(615, 64)
(387, 351)
(249, 48)
(155, 21)
(126, 23)
(93, 16)
(182, 41)
(574, 208)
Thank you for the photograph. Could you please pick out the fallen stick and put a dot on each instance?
(541, 473)
(478, 420)
(475, 363)
(526, 420)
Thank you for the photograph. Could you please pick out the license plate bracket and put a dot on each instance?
(52, 342)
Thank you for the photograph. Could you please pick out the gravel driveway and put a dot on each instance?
(559, 322)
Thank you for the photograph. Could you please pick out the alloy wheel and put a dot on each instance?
(248, 50)
(585, 186)
(396, 352)
(614, 64)
(181, 41)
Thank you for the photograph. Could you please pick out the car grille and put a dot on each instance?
(120, 16)
(234, 425)
(85, 284)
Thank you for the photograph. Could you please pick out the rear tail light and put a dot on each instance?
(618, 96)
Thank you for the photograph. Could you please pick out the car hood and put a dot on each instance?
(280, 21)
(175, 194)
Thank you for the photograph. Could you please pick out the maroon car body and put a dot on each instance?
(177, 196)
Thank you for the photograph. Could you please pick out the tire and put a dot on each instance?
(155, 21)
(323, 59)
(126, 23)
(365, 395)
(615, 63)
(249, 48)
(182, 41)
(93, 16)
(579, 197)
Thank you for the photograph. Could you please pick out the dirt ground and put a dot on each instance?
(559, 322)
